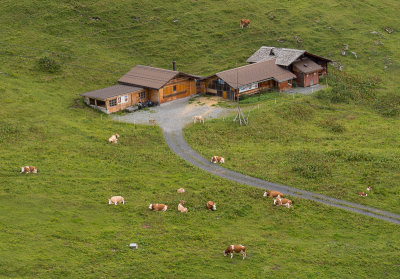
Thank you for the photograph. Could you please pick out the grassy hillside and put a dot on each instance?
(58, 224)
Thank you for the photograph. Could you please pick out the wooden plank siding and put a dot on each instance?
(184, 87)
(133, 99)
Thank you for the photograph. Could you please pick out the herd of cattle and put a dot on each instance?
(279, 199)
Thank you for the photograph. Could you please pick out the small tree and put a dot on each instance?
(48, 64)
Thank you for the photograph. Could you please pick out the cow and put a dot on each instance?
(369, 188)
(273, 194)
(282, 202)
(211, 205)
(198, 118)
(181, 208)
(181, 190)
(116, 200)
(362, 194)
(113, 138)
(28, 169)
(237, 249)
(217, 159)
(158, 207)
(244, 23)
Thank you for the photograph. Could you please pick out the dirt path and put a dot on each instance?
(178, 144)
(173, 116)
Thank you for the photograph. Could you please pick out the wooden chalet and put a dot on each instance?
(306, 66)
(248, 79)
(141, 84)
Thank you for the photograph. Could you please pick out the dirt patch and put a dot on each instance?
(76, 104)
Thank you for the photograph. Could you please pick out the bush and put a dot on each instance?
(333, 125)
(48, 64)
(310, 165)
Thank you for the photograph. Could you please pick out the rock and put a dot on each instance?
(297, 38)
(343, 52)
(175, 20)
(374, 32)
(354, 53)
(346, 47)
(389, 30)
(281, 40)
(96, 18)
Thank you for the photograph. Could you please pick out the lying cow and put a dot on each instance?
(28, 169)
(116, 200)
(237, 249)
(113, 138)
(181, 208)
(362, 194)
(244, 23)
(273, 194)
(282, 202)
(217, 159)
(181, 190)
(211, 205)
(369, 188)
(198, 118)
(158, 207)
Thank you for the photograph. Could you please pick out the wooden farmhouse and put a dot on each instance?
(306, 66)
(248, 79)
(269, 68)
(141, 84)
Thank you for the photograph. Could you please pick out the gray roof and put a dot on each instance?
(147, 76)
(256, 72)
(284, 56)
(108, 92)
(306, 65)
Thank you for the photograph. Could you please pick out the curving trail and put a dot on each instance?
(177, 143)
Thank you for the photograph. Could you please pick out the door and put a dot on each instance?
(312, 81)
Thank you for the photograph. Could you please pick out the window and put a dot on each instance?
(142, 95)
(112, 103)
(174, 88)
(248, 87)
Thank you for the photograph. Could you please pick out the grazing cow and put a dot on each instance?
(181, 208)
(158, 207)
(362, 194)
(244, 23)
(211, 205)
(273, 194)
(116, 200)
(217, 159)
(28, 169)
(237, 249)
(282, 202)
(369, 188)
(198, 118)
(181, 190)
(113, 138)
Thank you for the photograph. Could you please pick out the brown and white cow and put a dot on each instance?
(113, 138)
(28, 169)
(181, 190)
(273, 194)
(116, 200)
(369, 188)
(217, 159)
(211, 205)
(282, 202)
(181, 208)
(244, 23)
(158, 207)
(362, 194)
(198, 118)
(235, 249)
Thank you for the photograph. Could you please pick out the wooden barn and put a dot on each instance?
(306, 66)
(141, 84)
(248, 79)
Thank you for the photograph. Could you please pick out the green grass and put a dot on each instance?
(57, 224)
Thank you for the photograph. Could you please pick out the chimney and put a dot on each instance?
(173, 65)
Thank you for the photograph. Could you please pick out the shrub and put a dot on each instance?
(388, 105)
(333, 125)
(48, 64)
(309, 164)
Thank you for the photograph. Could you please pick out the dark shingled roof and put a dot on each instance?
(108, 92)
(256, 72)
(306, 66)
(284, 56)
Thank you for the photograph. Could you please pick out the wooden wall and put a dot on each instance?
(184, 88)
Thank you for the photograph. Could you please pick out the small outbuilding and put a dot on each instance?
(307, 72)
(114, 98)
